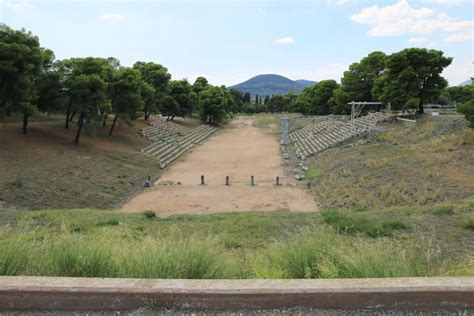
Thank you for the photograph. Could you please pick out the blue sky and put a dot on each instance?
(231, 41)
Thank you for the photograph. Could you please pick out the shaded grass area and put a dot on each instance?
(46, 170)
(428, 164)
(93, 243)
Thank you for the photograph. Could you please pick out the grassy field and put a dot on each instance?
(232, 245)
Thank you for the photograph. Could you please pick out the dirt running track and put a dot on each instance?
(239, 151)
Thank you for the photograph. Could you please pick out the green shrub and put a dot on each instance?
(361, 209)
(149, 214)
(109, 222)
(444, 210)
(469, 224)
(356, 224)
(394, 225)
(468, 110)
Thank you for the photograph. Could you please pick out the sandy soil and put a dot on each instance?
(238, 151)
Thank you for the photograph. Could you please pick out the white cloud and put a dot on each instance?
(284, 41)
(113, 17)
(418, 40)
(16, 5)
(339, 2)
(400, 19)
(459, 37)
(458, 72)
(445, 2)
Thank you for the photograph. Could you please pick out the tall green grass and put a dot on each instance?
(309, 254)
(327, 254)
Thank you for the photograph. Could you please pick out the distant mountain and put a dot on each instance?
(271, 84)
(306, 83)
(468, 82)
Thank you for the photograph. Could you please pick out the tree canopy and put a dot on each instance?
(412, 77)
(214, 104)
(358, 81)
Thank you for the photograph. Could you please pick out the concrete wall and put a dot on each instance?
(95, 294)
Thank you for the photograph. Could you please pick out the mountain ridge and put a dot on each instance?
(272, 84)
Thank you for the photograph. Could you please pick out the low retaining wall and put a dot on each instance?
(95, 294)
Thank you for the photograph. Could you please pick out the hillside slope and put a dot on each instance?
(46, 170)
(428, 164)
(306, 83)
(269, 84)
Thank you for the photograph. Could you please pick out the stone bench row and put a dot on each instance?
(154, 149)
(166, 152)
(164, 131)
(319, 136)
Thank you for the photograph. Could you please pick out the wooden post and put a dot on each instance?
(252, 180)
(277, 180)
(226, 180)
(202, 180)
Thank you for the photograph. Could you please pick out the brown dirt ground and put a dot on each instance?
(239, 151)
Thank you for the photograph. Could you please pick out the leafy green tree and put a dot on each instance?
(237, 100)
(276, 104)
(358, 81)
(247, 97)
(467, 109)
(214, 104)
(200, 84)
(157, 77)
(21, 62)
(182, 94)
(267, 98)
(49, 86)
(126, 94)
(74, 68)
(460, 94)
(318, 99)
(248, 108)
(411, 74)
(89, 95)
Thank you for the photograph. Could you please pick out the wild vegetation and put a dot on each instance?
(92, 243)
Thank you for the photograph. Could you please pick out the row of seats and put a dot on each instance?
(164, 131)
(321, 135)
(171, 141)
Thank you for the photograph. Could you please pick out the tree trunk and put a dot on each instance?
(68, 111)
(104, 121)
(420, 107)
(113, 124)
(79, 129)
(72, 116)
(25, 122)
(146, 115)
